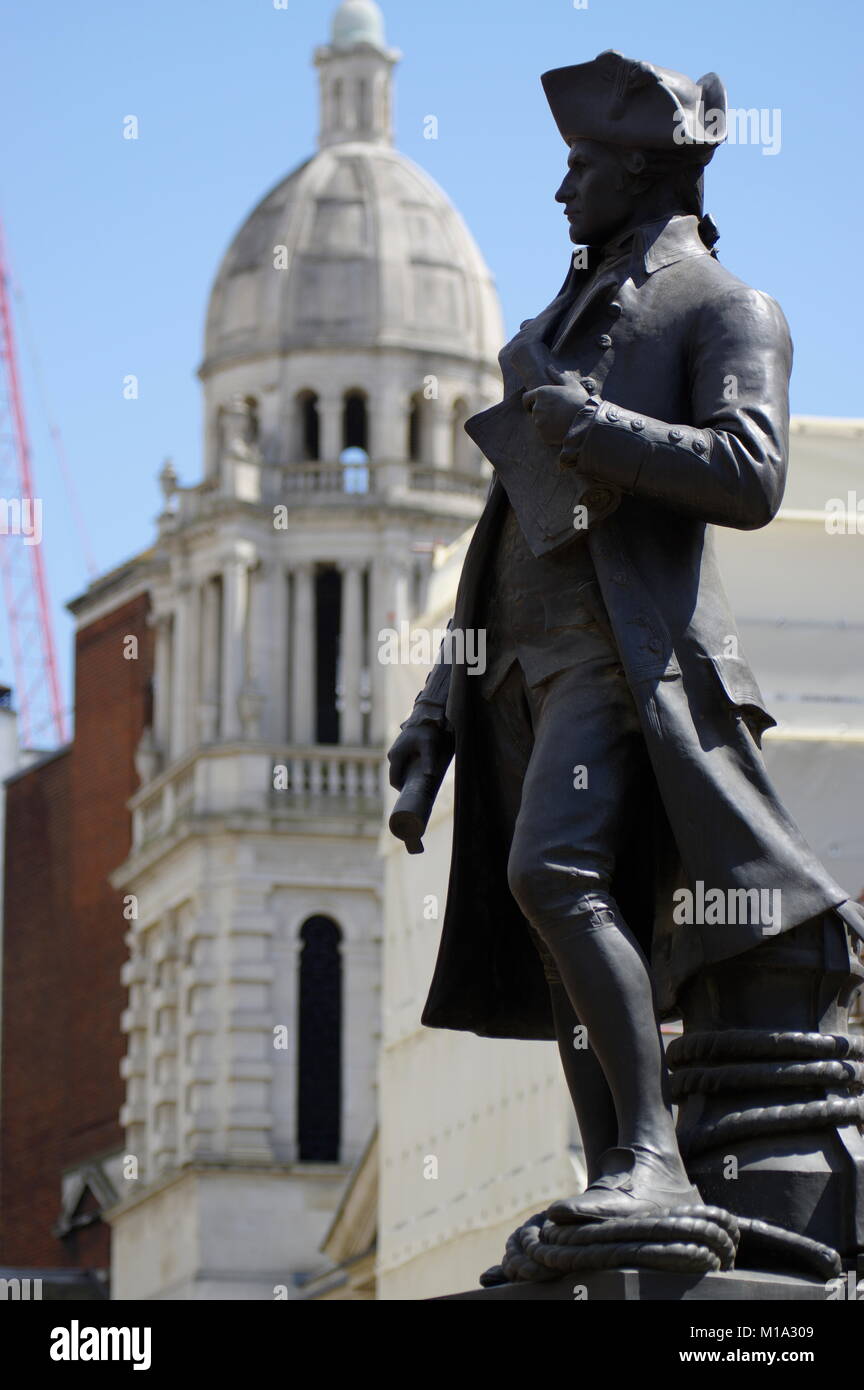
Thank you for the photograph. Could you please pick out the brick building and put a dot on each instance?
(67, 827)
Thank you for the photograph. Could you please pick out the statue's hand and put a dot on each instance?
(425, 741)
(553, 408)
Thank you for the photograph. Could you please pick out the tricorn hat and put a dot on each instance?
(621, 101)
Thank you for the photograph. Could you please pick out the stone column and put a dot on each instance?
(390, 607)
(256, 689)
(351, 723)
(302, 668)
(390, 439)
(183, 663)
(279, 626)
(235, 613)
(330, 412)
(380, 617)
(162, 691)
(440, 436)
(209, 693)
(388, 422)
(400, 591)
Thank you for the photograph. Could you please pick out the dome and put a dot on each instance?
(358, 21)
(358, 248)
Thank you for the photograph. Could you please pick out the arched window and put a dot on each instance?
(253, 424)
(319, 1081)
(364, 113)
(355, 421)
(337, 103)
(415, 429)
(308, 427)
(355, 442)
(328, 630)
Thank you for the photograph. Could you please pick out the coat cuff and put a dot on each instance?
(615, 443)
(582, 422)
(425, 712)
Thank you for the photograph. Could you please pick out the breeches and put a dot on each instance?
(568, 763)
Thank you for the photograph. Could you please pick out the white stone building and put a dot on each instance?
(352, 328)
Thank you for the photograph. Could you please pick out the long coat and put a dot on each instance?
(691, 367)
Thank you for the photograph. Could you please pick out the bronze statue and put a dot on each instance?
(608, 762)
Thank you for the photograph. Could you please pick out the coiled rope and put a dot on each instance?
(747, 1059)
(687, 1240)
(691, 1239)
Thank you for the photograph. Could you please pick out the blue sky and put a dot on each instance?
(114, 243)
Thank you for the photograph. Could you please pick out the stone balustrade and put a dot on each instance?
(231, 781)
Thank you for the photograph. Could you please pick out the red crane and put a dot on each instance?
(22, 564)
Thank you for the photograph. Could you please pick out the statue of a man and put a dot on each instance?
(608, 759)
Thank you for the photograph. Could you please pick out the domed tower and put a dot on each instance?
(352, 328)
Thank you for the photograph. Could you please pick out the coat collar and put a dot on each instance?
(659, 243)
(652, 246)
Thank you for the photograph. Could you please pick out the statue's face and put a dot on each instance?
(595, 193)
